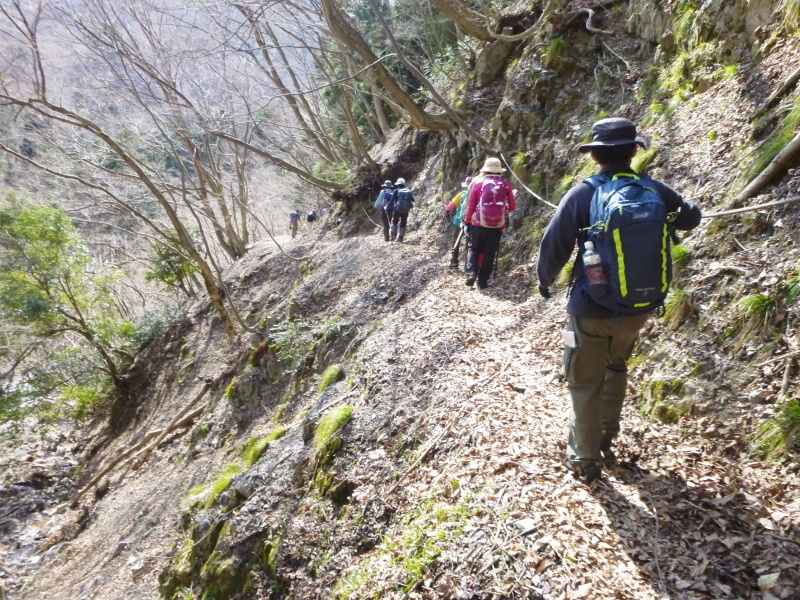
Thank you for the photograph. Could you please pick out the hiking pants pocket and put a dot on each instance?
(568, 362)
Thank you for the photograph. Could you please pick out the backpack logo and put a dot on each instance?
(491, 210)
(630, 231)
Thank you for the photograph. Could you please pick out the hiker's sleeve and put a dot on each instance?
(512, 201)
(474, 194)
(457, 199)
(558, 241)
(379, 201)
(689, 214)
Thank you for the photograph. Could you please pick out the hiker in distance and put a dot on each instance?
(491, 198)
(380, 204)
(402, 202)
(459, 204)
(294, 222)
(623, 223)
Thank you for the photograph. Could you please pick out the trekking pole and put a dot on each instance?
(496, 260)
(458, 240)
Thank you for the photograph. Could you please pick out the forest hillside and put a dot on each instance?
(197, 405)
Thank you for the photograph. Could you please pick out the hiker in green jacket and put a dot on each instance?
(459, 205)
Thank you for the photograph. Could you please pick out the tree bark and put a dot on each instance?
(465, 19)
(341, 28)
(779, 163)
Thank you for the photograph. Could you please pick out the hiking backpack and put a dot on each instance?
(630, 229)
(403, 200)
(389, 200)
(491, 209)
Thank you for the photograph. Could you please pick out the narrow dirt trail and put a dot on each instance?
(473, 379)
(680, 516)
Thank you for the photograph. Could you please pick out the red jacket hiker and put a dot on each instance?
(477, 189)
(485, 207)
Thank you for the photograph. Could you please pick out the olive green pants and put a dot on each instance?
(597, 377)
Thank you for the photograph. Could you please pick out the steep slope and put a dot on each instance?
(447, 481)
(431, 465)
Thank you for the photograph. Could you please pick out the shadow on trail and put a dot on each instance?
(690, 541)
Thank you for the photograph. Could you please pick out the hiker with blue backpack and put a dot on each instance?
(399, 203)
(624, 224)
(491, 198)
(459, 203)
(380, 204)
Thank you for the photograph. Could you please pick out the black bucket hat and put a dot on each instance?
(613, 132)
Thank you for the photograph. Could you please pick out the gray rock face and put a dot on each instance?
(491, 62)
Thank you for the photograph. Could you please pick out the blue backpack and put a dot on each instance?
(390, 200)
(630, 229)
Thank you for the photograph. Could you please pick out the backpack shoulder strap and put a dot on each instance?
(595, 181)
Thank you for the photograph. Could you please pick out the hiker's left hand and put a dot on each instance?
(545, 292)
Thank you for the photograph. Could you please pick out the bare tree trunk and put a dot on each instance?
(779, 163)
(426, 82)
(292, 100)
(341, 28)
(380, 113)
(466, 20)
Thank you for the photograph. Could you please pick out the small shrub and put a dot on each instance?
(775, 143)
(678, 308)
(729, 72)
(680, 254)
(153, 323)
(686, 23)
(756, 312)
(518, 162)
(292, 341)
(791, 289)
(781, 433)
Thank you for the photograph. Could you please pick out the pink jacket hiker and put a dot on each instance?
(475, 196)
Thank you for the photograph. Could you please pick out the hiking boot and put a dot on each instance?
(586, 473)
(592, 473)
(471, 277)
(605, 447)
(482, 285)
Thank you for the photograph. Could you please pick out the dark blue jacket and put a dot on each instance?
(565, 229)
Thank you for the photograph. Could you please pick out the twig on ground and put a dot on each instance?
(625, 62)
(776, 359)
(787, 371)
(656, 549)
